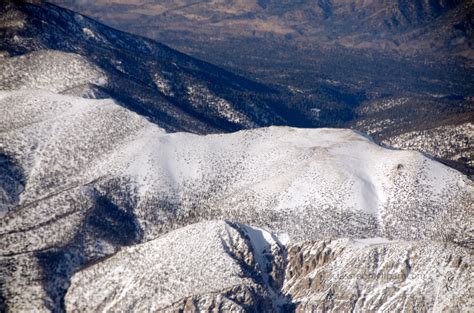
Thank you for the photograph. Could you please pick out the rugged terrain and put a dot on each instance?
(86, 177)
(333, 58)
(107, 204)
(250, 270)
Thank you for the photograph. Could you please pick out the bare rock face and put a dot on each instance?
(376, 274)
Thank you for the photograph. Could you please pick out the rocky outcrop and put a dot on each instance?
(216, 266)
(379, 275)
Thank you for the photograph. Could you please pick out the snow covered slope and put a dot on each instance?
(90, 177)
(378, 275)
(266, 176)
(210, 260)
(49, 70)
(450, 142)
(216, 265)
(91, 183)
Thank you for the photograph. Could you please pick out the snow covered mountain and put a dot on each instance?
(428, 129)
(105, 207)
(87, 177)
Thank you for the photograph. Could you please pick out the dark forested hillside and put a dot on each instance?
(173, 90)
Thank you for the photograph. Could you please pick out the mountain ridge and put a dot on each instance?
(331, 69)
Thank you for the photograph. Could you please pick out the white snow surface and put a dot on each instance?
(154, 275)
(49, 70)
(380, 275)
(308, 183)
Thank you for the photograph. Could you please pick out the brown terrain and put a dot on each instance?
(407, 27)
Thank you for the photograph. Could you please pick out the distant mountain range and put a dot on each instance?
(410, 27)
